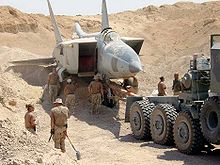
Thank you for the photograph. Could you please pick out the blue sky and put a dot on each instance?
(83, 7)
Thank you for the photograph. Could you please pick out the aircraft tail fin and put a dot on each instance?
(105, 20)
(79, 30)
(105, 23)
(83, 34)
(54, 23)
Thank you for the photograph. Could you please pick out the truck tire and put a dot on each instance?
(187, 134)
(161, 124)
(140, 113)
(210, 121)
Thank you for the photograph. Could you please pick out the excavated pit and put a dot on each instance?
(37, 76)
(32, 74)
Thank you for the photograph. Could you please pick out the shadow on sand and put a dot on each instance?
(129, 138)
(154, 145)
(211, 158)
(172, 154)
(107, 119)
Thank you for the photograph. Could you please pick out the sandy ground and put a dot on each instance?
(172, 34)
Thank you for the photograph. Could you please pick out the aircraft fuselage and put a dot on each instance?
(115, 58)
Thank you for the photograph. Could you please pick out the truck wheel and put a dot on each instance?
(161, 124)
(210, 121)
(187, 134)
(140, 113)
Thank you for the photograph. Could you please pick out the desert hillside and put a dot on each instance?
(172, 34)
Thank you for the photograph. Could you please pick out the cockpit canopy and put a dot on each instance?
(110, 36)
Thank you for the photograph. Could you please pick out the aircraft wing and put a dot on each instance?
(40, 61)
(134, 43)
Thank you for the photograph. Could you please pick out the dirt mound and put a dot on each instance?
(172, 34)
(32, 74)
(15, 141)
(11, 83)
(14, 21)
(18, 146)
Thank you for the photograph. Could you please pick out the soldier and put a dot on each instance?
(130, 91)
(53, 82)
(177, 87)
(59, 115)
(69, 93)
(45, 91)
(96, 90)
(131, 81)
(161, 87)
(30, 119)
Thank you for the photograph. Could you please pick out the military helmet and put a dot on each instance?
(69, 80)
(58, 101)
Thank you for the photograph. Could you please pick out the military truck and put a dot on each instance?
(190, 120)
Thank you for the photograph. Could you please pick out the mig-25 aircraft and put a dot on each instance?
(104, 52)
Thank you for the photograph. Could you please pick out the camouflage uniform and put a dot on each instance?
(53, 83)
(96, 101)
(70, 101)
(177, 84)
(96, 91)
(53, 91)
(59, 117)
(69, 91)
(176, 87)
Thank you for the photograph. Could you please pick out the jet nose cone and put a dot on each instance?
(135, 67)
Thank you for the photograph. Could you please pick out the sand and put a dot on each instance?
(172, 34)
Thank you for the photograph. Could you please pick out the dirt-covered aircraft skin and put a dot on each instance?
(104, 52)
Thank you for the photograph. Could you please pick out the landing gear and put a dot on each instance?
(108, 102)
(108, 99)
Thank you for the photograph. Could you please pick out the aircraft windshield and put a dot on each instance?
(112, 36)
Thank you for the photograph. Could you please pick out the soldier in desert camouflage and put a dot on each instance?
(53, 84)
(69, 93)
(59, 116)
(96, 90)
(177, 85)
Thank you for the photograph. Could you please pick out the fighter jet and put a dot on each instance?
(104, 52)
